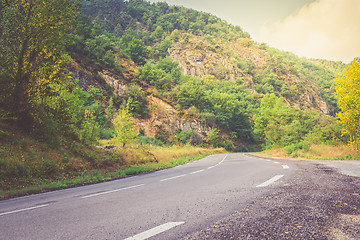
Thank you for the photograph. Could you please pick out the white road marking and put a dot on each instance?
(222, 160)
(219, 162)
(166, 179)
(285, 166)
(276, 162)
(116, 190)
(268, 160)
(25, 209)
(270, 181)
(198, 171)
(155, 231)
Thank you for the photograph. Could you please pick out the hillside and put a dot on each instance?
(147, 77)
(202, 45)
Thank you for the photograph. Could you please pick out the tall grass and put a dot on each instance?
(27, 166)
(316, 151)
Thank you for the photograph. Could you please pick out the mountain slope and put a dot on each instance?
(136, 39)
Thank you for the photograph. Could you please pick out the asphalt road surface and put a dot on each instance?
(226, 196)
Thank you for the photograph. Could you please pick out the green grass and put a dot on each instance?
(28, 165)
(91, 176)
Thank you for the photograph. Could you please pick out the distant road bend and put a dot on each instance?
(181, 202)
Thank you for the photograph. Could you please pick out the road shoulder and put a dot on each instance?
(317, 203)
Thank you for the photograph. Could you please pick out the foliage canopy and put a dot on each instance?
(348, 94)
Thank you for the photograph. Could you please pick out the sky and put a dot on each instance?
(327, 29)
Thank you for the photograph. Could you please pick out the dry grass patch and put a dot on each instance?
(166, 154)
(325, 152)
(317, 151)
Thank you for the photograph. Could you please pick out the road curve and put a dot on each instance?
(167, 204)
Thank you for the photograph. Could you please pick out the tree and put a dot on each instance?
(153, 74)
(33, 36)
(348, 94)
(213, 137)
(124, 128)
(134, 47)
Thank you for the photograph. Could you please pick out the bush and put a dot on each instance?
(48, 168)
(162, 135)
(49, 132)
(112, 158)
(292, 148)
(184, 136)
(226, 144)
(106, 133)
(150, 141)
(136, 100)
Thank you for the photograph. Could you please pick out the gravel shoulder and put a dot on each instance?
(317, 203)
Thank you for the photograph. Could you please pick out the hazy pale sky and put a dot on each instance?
(328, 29)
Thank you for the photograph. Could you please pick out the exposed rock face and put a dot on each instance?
(202, 62)
(117, 84)
(222, 65)
(163, 116)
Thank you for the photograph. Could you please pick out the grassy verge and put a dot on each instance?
(28, 166)
(315, 151)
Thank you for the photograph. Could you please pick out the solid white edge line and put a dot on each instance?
(116, 190)
(285, 166)
(270, 181)
(222, 160)
(198, 171)
(219, 162)
(25, 209)
(166, 179)
(155, 231)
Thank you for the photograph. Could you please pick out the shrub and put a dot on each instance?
(162, 135)
(48, 168)
(150, 141)
(184, 136)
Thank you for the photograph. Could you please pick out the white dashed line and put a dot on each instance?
(167, 179)
(112, 191)
(276, 162)
(285, 166)
(155, 231)
(25, 209)
(270, 181)
(198, 171)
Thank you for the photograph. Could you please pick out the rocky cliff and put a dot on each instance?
(244, 60)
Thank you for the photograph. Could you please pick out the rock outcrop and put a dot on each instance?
(245, 62)
(164, 117)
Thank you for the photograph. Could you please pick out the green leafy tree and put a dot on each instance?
(158, 34)
(213, 137)
(33, 37)
(131, 45)
(348, 94)
(124, 128)
(137, 100)
(154, 75)
(278, 124)
(184, 137)
(101, 47)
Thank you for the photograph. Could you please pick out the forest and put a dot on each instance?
(140, 77)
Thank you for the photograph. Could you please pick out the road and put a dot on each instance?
(189, 201)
